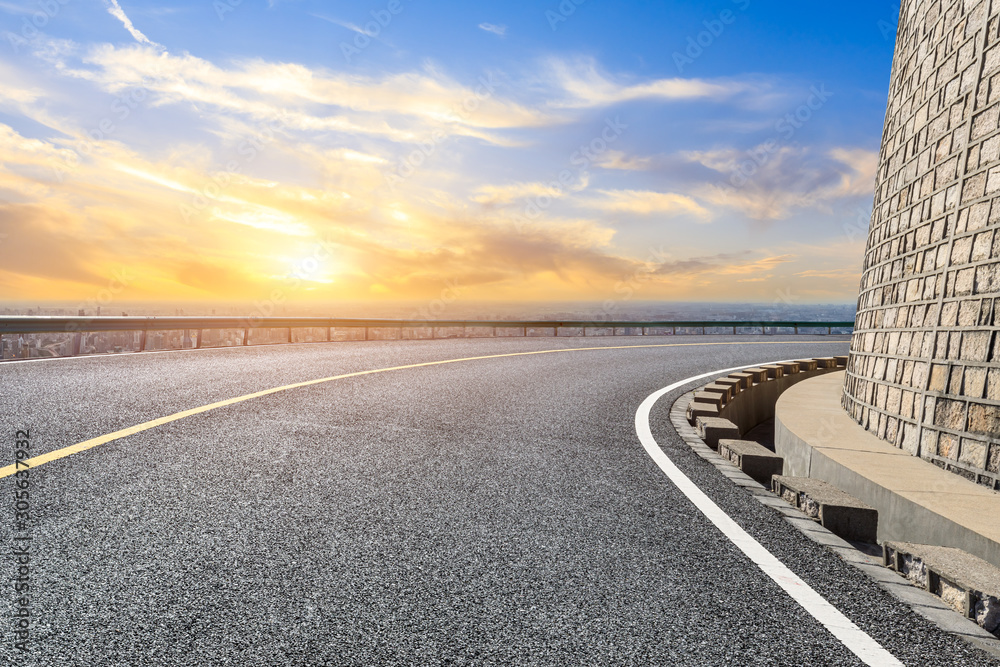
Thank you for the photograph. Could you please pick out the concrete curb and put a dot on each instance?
(922, 602)
(917, 501)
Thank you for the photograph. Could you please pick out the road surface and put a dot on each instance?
(494, 511)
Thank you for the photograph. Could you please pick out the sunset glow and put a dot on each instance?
(208, 157)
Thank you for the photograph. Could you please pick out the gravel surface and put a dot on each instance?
(490, 512)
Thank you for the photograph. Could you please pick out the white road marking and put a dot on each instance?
(855, 639)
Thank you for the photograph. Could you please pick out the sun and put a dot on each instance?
(310, 268)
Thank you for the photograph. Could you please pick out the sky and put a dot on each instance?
(398, 149)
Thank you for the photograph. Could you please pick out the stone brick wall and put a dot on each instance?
(924, 370)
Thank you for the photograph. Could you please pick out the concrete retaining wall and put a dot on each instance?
(916, 501)
(755, 405)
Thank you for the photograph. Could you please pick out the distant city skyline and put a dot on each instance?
(303, 152)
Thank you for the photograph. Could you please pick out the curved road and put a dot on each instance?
(497, 511)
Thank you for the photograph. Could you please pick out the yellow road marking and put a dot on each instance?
(57, 454)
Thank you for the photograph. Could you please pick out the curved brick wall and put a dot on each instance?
(924, 370)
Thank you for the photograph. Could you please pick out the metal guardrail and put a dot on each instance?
(80, 325)
(46, 324)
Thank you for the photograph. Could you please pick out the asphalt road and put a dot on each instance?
(491, 512)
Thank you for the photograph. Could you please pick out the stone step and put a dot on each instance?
(736, 384)
(827, 362)
(696, 410)
(789, 367)
(726, 390)
(714, 429)
(838, 512)
(774, 371)
(966, 583)
(759, 374)
(754, 459)
(746, 379)
(718, 400)
(807, 365)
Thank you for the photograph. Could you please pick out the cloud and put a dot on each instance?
(757, 266)
(12, 8)
(116, 10)
(39, 243)
(648, 203)
(357, 156)
(694, 265)
(118, 207)
(262, 217)
(613, 159)
(345, 24)
(493, 195)
(500, 30)
(403, 107)
(726, 266)
(779, 181)
(833, 274)
(584, 85)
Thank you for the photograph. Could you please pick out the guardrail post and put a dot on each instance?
(494, 332)
(289, 334)
(829, 331)
(329, 334)
(734, 331)
(366, 333)
(77, 337)
(703, 331)
(142, 341)
(555, 332)
(197, 342)
(400, 333)
(675, 331)
(246, 337)
(525, 332)
(796, 329)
